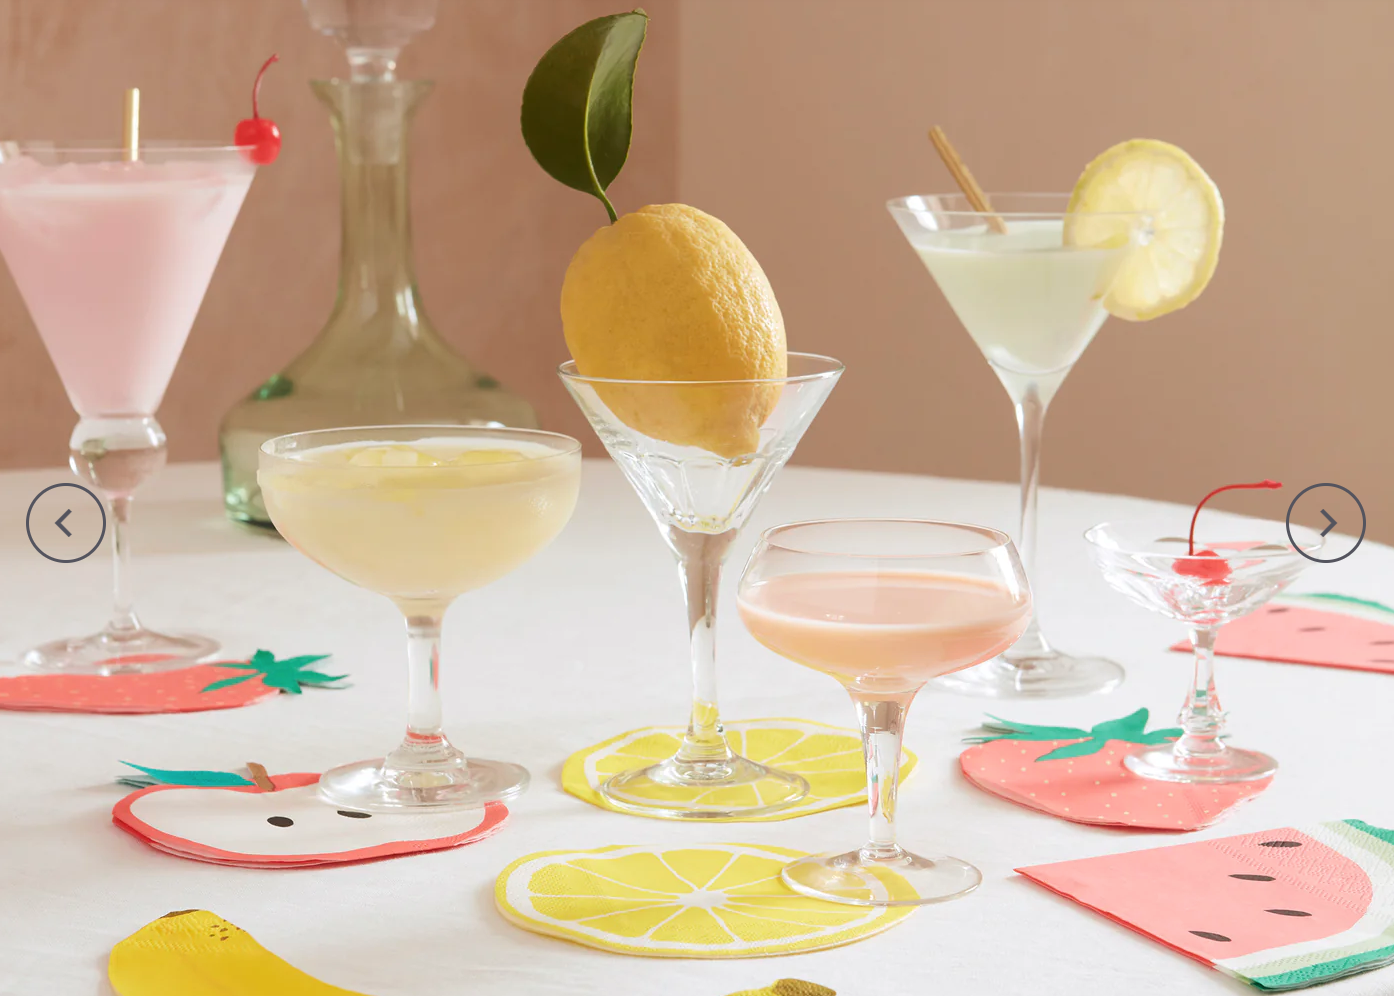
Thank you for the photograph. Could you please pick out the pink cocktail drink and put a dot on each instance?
(884, 634)
(883, 606)
(113, 259)
(112, 250)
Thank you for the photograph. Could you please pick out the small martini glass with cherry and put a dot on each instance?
(1237, 565)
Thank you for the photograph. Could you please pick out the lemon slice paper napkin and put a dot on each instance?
(708, 901)
(829, 757)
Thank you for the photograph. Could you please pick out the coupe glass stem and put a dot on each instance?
(882, 722)
(1201, 717)
(700, 557)
(1030, 421)
(424, 745)
(123, 615)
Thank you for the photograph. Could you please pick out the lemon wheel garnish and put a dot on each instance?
(1173, 259)
(707, 901)
(828, 757)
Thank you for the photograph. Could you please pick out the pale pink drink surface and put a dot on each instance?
(113, 260)
(884, 633)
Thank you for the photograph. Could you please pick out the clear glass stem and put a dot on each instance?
(700, 557)
(425, 746)
(123, 615)
(1201, 717)
(882, 722)
(1030, 421)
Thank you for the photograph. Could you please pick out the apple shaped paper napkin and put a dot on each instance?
(1078, 775)
(1280, 910)
(1325, 629)
(279, 821)
(221, 685)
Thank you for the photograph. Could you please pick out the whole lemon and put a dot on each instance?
(669, 293)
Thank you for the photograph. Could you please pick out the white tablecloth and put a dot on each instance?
(584, 642)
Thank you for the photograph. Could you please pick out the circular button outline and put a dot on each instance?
(30, 533)
(1288, 524)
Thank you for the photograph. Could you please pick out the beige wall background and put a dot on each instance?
(493, 232)
(794, 120)
(801, 117)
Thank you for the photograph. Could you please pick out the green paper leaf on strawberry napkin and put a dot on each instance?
(287, 675)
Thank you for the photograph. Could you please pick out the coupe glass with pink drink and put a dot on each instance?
(112, 256)
(883, 606)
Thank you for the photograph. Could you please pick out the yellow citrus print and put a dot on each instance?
(197, 953)
(828, 757)
(710, 901)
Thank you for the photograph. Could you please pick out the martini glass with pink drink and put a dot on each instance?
(112, 251)
(883, 606)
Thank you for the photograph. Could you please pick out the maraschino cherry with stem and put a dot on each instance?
(1207, 565)
(259, 134)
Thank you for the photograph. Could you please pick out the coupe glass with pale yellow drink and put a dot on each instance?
(421, 514)
(1032, 278)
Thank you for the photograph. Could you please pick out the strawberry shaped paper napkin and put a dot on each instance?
(1078, 775)
(223, 685)
(1325, 629)
(1280, 910)
(279, 821)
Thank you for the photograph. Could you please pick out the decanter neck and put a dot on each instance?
(372, 121)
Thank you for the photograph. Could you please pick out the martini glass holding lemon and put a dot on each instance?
(680, 367)
(1032, 278)
(421, 514)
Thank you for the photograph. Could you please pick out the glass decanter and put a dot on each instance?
(378, 359)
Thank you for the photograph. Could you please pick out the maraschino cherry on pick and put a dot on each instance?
(260, 133)
(1207, 565)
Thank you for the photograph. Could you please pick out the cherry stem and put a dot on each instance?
(256, 86)
(1191, 540)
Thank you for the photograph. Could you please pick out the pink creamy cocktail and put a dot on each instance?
(883, 606)
(112, 250)
(113, 259)
(883, 634)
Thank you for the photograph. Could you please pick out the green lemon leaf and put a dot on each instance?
(578, 112)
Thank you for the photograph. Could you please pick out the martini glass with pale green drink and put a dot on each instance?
(1032, 278)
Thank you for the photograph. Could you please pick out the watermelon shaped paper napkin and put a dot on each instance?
(1325, 629)
(1078, 775)
(1282, 909)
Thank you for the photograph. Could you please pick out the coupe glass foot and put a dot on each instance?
(719, 790)
(904, 879)
(1048, 675)
(1222, 767)
(373, 787)
(126, 653)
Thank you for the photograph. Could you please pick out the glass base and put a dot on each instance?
(1042, 676)
(1223, 767)
(716, 790)
(857, 879)
(105, 653)
(371, 787)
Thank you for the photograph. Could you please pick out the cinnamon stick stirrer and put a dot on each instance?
(964, 179)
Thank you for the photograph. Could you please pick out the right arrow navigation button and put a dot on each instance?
(1333, 511)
